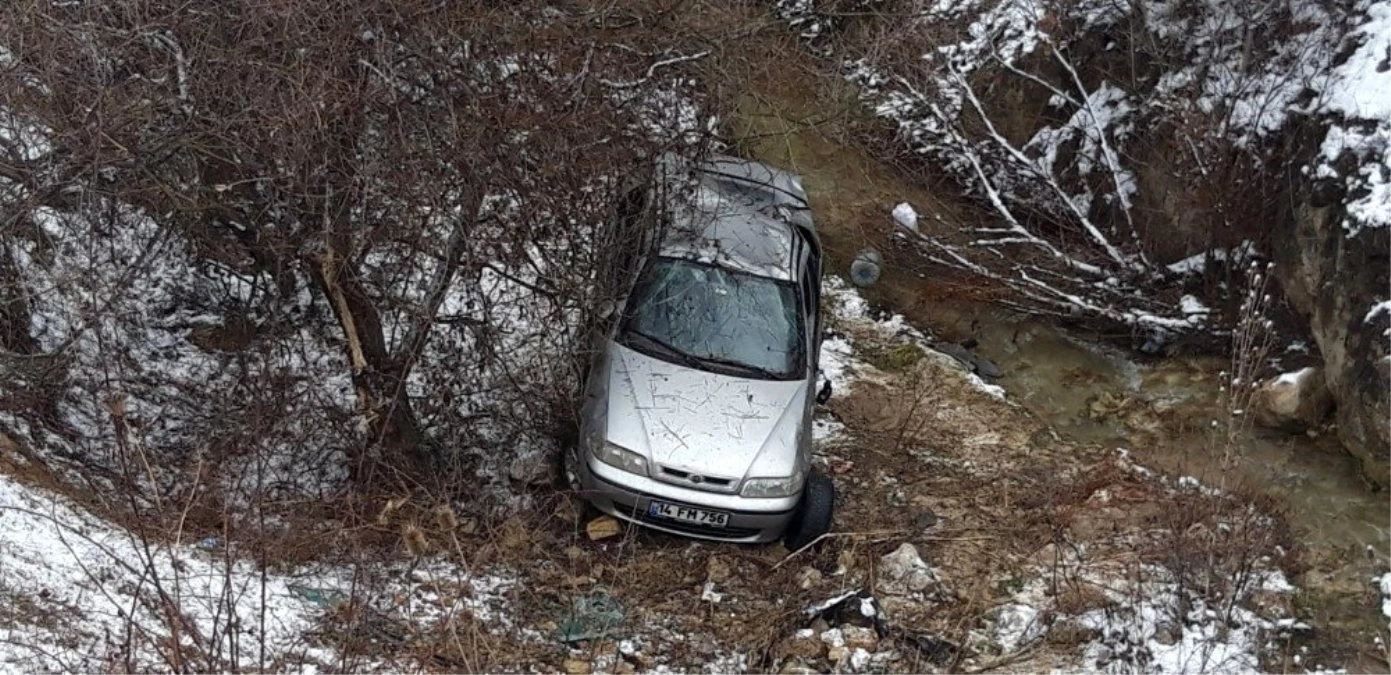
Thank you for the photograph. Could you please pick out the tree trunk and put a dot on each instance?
(393, 435)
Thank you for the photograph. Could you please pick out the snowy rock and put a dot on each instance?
(859, 637)
(1294, 401)
(903, 572)
(907, 216)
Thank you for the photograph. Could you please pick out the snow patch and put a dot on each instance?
(1383, 307)
(847, 307)
(87, 595)
(905, 215)
(1294, 378)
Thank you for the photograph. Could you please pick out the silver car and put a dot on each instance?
(698, 403)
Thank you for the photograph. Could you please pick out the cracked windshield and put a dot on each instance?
(728, 320)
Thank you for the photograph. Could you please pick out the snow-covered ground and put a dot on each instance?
(81, 594)
(1358, 94)
(1140, 618)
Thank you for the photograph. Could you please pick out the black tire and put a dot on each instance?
(815, 513)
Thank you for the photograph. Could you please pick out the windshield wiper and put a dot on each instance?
(666, 348)
(756, 371)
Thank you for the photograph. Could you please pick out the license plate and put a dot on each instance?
(688, 514)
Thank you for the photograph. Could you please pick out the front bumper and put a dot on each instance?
(626, 496)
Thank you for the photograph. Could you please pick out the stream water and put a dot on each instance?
(1172, 412)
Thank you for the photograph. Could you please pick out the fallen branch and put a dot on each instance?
(832, 535)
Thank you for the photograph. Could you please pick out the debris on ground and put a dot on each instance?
(904, 572)
(856, 608)
(603, 527)
(597, 615)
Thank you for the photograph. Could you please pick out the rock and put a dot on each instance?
(1167, 634)
(962, 355)
(808, 577)
(1272, 605)
(530, 470)
(838, 654)
(925, 518)
(624, 668)
(717, 569)
(1294, 401)
(603, 527)
(987, 368)
(1046, 556)
(575, 667)
(804, 645)
(794, 668)
(859, 637)
(903, 572)
(1333, 280)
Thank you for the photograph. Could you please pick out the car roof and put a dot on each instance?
(740, 215)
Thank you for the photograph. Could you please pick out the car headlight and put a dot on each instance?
(774, 487)
(620, 458)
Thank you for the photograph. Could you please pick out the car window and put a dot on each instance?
(717, 318)
(811, 295)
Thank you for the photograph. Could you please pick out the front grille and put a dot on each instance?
(694, 481)
(701, 530)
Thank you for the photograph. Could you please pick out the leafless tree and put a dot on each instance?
(386, 164)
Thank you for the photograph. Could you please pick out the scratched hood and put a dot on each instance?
(707, 423)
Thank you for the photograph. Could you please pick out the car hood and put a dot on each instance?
(702, 422)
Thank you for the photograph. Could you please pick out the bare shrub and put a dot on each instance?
(359, 231)
(267, 270)
(1103, 140)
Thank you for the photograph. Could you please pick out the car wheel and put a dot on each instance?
(814, 513)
